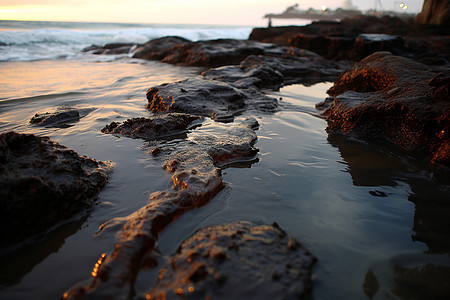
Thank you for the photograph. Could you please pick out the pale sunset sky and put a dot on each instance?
(223, 12)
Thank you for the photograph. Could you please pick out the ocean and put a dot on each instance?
(349, 202)
(34, 40)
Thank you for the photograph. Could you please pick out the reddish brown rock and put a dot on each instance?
(434, 12)
(393, 98)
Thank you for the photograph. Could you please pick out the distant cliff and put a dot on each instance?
(434, 12)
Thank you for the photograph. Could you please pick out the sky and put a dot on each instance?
(220, 12)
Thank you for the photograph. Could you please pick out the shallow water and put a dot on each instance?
(347, 201)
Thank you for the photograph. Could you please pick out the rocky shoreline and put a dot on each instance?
(399, 97)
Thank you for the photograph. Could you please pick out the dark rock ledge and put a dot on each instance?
(242, 62)
(210, 98)
(41, 184)
(397, 99)
(157, 127)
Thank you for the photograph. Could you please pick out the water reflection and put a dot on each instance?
(430, 187)
(377, 165)
(15, 265)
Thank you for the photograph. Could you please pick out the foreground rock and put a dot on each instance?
(196, 167)
(157, 127)
(217, 100)
(396, 99)
(62, 117)
(235, 261)
(41, 184)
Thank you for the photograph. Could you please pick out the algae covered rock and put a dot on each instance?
(396, 99)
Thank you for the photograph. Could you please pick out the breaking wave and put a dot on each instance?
(25, 41)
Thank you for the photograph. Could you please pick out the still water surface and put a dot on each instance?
(348, 202)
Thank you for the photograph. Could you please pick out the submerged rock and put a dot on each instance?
(409, 276)
(159, 126)
(393, 98)
(196, 167)
(234, 261)
(41, 184)
(61, 117)
(214, 99)
(111, 49)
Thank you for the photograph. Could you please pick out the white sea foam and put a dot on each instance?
(45, 40)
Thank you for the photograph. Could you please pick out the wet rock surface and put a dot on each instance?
(393, 98)
(259, 77)
(210, 98)
(159, 126)
(196, 167)
(347, 28)
(157, 49)
(351, 48)
(305, 70)
(41, 184)
(234, 261)
(62, 117)
(214, 53)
